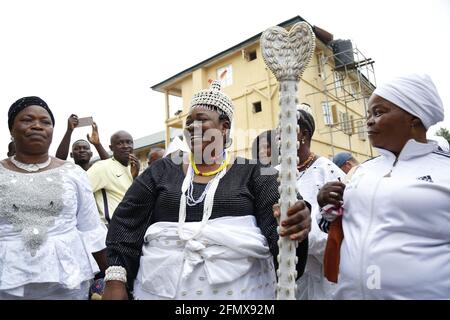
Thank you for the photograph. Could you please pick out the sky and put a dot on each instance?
(100, 57)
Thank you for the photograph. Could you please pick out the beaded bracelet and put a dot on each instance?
(116, 273)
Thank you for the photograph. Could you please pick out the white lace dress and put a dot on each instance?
(49, 228)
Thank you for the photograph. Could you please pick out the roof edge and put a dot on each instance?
(158, 86)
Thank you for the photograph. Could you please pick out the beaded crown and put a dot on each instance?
(214, 97)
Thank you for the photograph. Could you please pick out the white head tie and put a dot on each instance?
(305, 106)
(417, 95)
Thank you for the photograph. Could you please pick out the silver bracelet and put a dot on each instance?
(117, 273)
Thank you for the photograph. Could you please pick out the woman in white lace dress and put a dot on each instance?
(51, 238)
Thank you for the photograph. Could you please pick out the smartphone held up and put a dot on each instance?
(84, 122)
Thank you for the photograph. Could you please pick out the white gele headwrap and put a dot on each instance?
(417, 95)
(214, 97)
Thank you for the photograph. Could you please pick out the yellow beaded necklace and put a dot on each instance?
(210, 173)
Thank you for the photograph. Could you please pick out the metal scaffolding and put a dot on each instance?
(351, 80)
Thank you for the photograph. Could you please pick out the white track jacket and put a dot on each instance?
(397, 227)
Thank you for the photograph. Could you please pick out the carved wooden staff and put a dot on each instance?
(287, 54)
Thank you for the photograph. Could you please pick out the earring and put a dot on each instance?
(303, 141)
(12, 138)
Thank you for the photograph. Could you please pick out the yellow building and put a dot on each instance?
(336, 84)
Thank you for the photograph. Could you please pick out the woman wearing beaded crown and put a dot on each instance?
(203, 229)
(50, 230)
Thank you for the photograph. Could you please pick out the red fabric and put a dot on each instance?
(333, 250)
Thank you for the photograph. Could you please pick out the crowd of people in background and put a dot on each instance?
(206, 227)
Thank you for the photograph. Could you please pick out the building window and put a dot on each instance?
(249, 55)
(352, 125)
(360, 128)
(345, 123)
(341, 120)
(257, 107)
(225, 75)
(354, 91)
(338, 81)
(329, 115)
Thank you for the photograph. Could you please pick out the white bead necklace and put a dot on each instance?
(207, 196)
(190, 200)
(30, 167)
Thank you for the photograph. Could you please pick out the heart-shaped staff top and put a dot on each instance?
(288, 53)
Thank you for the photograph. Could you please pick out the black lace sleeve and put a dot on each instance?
(130, 222)
(265, 188)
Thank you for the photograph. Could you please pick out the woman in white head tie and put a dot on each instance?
(397, 206)
(204, 229)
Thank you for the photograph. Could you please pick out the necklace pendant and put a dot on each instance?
(30, 167)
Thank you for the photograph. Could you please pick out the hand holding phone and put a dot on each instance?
(84, 122)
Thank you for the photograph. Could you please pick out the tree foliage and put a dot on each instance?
(443, 132)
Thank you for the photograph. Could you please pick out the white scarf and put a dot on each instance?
(417, 95)
(226, 248)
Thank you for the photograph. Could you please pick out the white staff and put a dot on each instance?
(287, 54)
